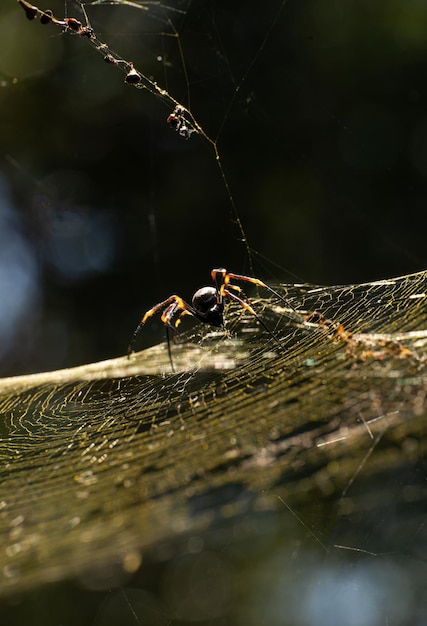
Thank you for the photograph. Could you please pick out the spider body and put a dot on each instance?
(208, 308)
(207, 305)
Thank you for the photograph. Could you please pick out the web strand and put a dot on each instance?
(181, 119)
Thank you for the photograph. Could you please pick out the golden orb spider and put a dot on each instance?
(207, 305)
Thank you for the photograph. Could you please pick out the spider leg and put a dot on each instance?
(166, 319)
(171, 304)
(219, 277)
(255, 281)
(181, 315)
(168, 314)
(245, 303)
(169, 348)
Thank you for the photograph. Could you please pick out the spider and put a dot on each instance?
(207, 305)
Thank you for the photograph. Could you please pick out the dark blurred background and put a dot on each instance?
(104, 210)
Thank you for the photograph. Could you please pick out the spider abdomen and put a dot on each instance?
(208, 306)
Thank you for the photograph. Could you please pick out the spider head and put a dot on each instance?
(209, 306)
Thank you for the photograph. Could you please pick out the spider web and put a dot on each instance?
(255, 485)
(174, 18)
(319, 440)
